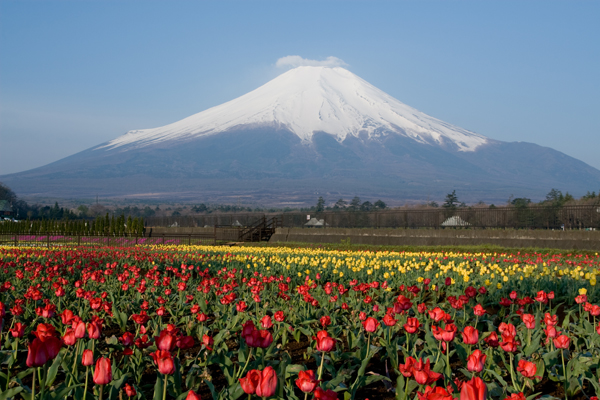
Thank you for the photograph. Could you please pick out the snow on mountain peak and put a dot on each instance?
(310, 99)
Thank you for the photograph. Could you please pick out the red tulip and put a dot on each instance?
(437, 393)
(207, 342)
(449, 332)
(165, 341)
(130, 390)
(201, 317)
(267, 384)
(406, 369)
(325, 321)
(370, 324)
(279, 317)
(44, 331)
(562, 342)
(67, 317)
(192, 396)
(87, 358)
(526, 368)
(93, 330)
(185, 342)
(102, 372)
(507, 329)
(528, 320)
(259, 338)
(479, 310)
(423, 374)
(164, 361)
(476, 361)
(492, 340)
(509, 345)
(475, 389)
(321, 394)
(69, 337)
(362, 315)
(37, 354)
(79, 327)
(437, 314)
(307, 381)
(388, 320)
(517, 396)
(470, 335)
(18, 331)
(247, 328)
(250, 382)
(324, 341)
(550, 320)
(127, 339)
(412, 325)
(266, 322)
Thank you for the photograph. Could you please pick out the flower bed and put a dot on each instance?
(225, 323)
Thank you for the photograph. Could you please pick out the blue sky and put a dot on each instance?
(74, 74)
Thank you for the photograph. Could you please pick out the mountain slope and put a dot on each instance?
(311, 131)
(305, 100)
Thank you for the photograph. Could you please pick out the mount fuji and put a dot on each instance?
(312, 131)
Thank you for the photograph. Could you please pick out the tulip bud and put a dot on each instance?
(102, 372)
(192, 396)
(475, 389)
(268, 383)
(250, 382)
(87, 358)
(130, 390)
(164, 361)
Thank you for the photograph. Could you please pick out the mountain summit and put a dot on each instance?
(306, 100)
(310, 132)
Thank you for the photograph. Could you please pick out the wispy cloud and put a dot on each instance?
(297, 61)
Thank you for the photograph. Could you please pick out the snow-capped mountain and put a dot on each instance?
(310, 132)
(306, 100)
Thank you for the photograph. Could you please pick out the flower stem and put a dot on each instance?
(101, 390)
(33, 385)
(164, 388)
(368, 345)
(321, 367)
(245, 365)
(87, 369)
(564, 372)
(512, 372)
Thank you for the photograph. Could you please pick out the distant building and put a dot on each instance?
(455, 221)
(316, 223)
(6, 210)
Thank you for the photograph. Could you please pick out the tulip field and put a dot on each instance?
(210, 322)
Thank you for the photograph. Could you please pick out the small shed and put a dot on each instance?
(316, 223)
(455, 221)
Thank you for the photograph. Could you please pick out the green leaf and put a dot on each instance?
(498, 377)
(211, 387)
(158, 388)
(116, 385)
(61, 392)
(53, 370)
(7, 394)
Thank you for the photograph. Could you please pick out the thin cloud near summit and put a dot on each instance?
(297, 61)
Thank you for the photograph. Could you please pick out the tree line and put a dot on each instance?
(104, 226)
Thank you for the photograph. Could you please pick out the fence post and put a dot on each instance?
(189, 240)
(78, 240)
(16, 239)
(48, 240)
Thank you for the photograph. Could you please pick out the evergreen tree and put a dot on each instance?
(380, 205)
(320, 204)
(451, 200)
